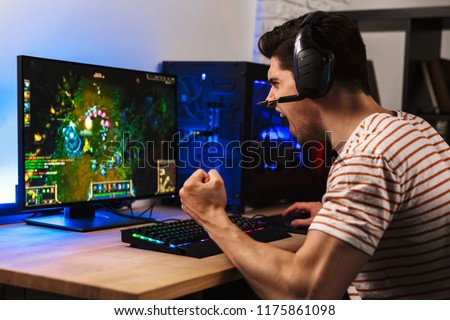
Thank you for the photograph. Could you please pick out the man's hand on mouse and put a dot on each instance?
(309, 207)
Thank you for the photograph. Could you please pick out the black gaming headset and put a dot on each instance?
(313, 64)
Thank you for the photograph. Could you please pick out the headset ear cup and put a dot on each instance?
(313, 78)
(313, 64)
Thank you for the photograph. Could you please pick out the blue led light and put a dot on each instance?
(282, 132)
(260, 82)
(272, 135)
(203, 76)
(179, 245)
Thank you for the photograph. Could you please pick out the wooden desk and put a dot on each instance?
(97, 265)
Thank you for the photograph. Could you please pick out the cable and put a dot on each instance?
(132, 214)
(150, 209)
(168, 220)
(128, 216)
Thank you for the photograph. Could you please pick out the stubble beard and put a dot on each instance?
(309, 132)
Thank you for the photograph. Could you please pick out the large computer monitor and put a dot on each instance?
(92, 135)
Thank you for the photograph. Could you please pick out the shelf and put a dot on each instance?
(423, 29)
(398, 19)
(398, 14)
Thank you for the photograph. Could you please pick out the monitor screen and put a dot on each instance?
(92, 135)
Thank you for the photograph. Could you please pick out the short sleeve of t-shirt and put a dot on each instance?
(362, 195)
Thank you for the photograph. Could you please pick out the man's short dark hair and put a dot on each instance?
(334, 31)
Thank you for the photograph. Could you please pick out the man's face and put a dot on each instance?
(305, 122)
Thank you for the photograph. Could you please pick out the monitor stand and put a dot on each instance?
(82, 219)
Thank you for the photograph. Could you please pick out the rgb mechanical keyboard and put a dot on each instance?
(186, 237)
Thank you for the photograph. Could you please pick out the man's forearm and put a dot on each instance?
(266, 268)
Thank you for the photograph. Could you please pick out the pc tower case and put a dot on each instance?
(222, 127)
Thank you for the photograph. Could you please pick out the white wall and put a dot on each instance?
(135, 34)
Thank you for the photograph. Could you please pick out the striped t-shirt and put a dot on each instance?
(388, 195)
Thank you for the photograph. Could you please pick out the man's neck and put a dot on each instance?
(344, 113)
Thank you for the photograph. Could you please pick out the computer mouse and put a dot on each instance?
(298, 214)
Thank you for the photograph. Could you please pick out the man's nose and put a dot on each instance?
(269, 95)
(271, 100)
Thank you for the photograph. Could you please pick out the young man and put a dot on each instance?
(384, 223)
